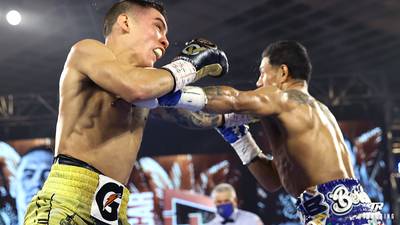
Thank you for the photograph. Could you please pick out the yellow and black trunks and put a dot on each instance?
(78, 194)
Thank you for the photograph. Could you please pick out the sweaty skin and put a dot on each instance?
(96, 124)
(305, 139)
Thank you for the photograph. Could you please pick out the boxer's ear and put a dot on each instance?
(284, 72)
(123, 22)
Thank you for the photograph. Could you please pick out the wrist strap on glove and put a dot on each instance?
(234, 119)
(183, 72)
(189, 98)
(246, 148)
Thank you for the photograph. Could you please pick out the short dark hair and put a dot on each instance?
(124, 6)
(291, 53)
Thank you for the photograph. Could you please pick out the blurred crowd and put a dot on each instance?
(21, 176)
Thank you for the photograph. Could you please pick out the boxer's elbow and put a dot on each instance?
(272, 187)
(269, 185)
(265, 174)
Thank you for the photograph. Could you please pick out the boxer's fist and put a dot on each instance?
(189, 98)
(206, 58)
(242, 142)
(199, 58)
(233, 134)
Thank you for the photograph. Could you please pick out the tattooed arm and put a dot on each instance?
(187, 119)
(262, 101)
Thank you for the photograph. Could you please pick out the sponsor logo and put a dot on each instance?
(110, 192)
(111, 199)
(343, 199)
(107, 200)
(314, 204)
(192, 49)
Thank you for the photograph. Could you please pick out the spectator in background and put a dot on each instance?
(9, 160)
(224, 196)
(32, 172)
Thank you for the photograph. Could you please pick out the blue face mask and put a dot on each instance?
(225, 210)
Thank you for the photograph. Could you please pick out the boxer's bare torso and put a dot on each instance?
(96, 124)
(304, 137)
(306, 143)
(97, 127)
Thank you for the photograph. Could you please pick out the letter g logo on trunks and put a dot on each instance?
(107, 200)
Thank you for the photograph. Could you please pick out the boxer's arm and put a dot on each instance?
(200, 120)
(262, 101)
(259, 164)
(263, 169)
(188, 119)
(99, 63)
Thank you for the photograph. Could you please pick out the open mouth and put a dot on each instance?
(158, 52)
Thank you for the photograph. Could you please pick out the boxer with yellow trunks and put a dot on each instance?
(98, 125)
(77, 193)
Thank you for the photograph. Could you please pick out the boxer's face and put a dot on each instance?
(148, 35)
(224, 198)
(269, 75)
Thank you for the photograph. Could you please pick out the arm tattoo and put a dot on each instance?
(300, 97)
(187, 119)
(213, 91)
(221, 99)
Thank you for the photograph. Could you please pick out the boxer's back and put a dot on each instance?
(307, 144)
(96, 127)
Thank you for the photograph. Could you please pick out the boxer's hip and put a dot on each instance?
(76, 191)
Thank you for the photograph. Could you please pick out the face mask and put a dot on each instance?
(225, 210)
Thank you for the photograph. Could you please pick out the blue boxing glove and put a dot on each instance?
(242, 142)
(189, 98)
(233, 134)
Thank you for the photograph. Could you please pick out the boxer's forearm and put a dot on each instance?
(265, 173)
(187, 119)
(221, 99)
(224, 99)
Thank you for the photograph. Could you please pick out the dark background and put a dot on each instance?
(354, 46)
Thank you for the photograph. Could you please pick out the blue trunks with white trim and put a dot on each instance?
(338, 202)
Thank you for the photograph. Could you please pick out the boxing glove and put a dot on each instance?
(242, 142)
(189, 98)
(199, 58)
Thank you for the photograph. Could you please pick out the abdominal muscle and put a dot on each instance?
(105, 132)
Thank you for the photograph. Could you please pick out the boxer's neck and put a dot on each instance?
(296, 84)
(118, 46)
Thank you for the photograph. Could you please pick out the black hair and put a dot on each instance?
(124, 6)
(293, 54)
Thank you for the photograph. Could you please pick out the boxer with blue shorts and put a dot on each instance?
(304, 149)
(338, 202)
